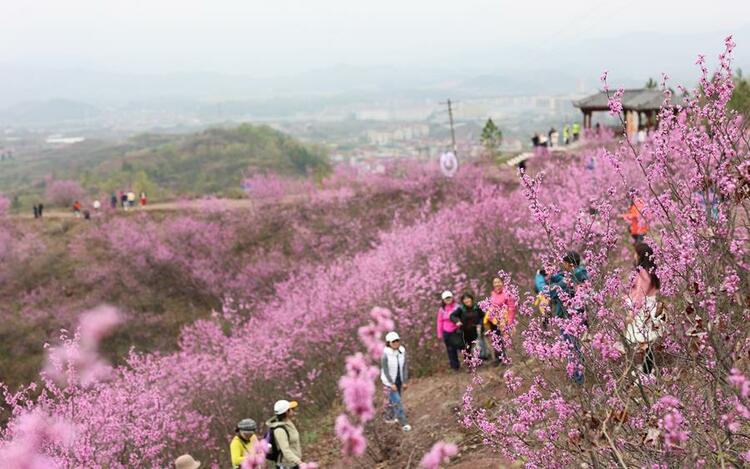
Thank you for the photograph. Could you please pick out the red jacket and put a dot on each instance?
(635, 217)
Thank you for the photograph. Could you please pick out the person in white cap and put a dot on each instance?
(394, 373)
(186, 462)
(448, 331)
(285, 435)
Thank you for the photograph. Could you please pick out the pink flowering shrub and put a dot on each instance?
(63, 192)
(694, 180)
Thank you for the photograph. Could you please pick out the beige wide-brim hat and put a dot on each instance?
(186, 462)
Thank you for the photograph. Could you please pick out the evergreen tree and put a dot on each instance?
(491, 138)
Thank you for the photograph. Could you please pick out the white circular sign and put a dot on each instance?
(448, 164)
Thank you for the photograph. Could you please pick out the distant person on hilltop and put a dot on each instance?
(36, 211)
(394, 373)
(41, 210)
(131, 199)
(77, 209)
(144, 199)
(113, 201)
(576, 131)
(124, 200)
(243, 442)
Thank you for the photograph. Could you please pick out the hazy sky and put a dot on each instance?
(267, 37)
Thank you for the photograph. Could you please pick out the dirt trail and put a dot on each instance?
(432, 405)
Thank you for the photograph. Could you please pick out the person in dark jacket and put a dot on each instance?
(468, 317)
(560, 286)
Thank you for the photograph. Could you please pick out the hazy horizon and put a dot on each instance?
(99, 53)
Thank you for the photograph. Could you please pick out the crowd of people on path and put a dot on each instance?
(125, 200)
(471, 330)
(570, 133)
(464, 327)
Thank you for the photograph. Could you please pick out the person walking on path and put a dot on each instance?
(566, 134)
(448, 331)
(77, 209)
(113, 201)
(500, 317)
(576, 131)
(36, 211)
(285, 435)
(131, 199)
(243, 442)
(124, 200)
(41, 210)
(645, 316)
(143, 199)
(394, 374)
(186, 462)
(468, 317)
(558, 287)
(636, 219)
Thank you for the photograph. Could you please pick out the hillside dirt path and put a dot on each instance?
(196, 204)
(433, 405)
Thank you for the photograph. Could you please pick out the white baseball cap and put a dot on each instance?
(446, 294)
(282, 406)
(391, 336)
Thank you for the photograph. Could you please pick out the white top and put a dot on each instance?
(647, 326)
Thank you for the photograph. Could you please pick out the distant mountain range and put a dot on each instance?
(41, 96)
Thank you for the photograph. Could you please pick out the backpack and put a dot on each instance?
(274, 452)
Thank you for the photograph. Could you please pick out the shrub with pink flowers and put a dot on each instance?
(63, 192)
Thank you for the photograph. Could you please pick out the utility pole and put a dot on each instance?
(453, 131)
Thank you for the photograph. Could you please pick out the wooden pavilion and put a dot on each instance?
(641, 108)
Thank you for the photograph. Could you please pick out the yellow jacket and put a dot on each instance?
(239, 449)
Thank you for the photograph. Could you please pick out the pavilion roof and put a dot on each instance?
(633, 99)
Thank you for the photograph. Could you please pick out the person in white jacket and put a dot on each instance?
(394, 373)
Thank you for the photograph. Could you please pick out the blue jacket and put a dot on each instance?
(579, 275)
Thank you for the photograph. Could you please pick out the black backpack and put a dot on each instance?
(273, 449)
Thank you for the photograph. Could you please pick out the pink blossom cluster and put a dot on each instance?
(440, 453)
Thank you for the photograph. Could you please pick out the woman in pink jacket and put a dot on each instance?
(448, 331)
(500, 315)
